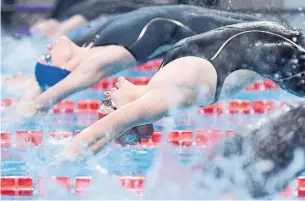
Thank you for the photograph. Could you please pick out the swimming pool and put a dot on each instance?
(26, 151)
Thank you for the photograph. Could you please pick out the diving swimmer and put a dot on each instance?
(68, 68)
(199, 71)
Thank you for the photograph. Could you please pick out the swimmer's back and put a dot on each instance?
(263, 47)
(186, 14)
(146, 29)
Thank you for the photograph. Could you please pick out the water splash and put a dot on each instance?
(21, 55)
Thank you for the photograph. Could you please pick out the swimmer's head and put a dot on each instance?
(132, 136)
(47, 75)
(55, 65)
(61, 51)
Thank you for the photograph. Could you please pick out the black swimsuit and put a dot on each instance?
(270, 49)
(145, 30)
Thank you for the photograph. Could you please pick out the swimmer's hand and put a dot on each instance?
(20, 113)
(86, 144)
(71, 154)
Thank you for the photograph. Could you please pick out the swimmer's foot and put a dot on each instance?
(124, 92)
(48, 28)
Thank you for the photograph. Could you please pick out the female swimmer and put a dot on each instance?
(200, 70)
(197, 72)
(68, 68)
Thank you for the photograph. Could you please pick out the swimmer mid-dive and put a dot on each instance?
(145, 31)
(200, 70)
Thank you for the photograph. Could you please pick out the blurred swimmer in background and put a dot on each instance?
(69, 15)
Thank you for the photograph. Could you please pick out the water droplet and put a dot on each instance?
(258, 15)
(295, 61)
(277, 76)
(302, 56)
(294, 39)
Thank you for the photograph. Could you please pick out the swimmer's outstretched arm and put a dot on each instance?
(100, 63)
(70, 24)
(147, 109)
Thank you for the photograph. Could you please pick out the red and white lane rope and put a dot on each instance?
(24, 185)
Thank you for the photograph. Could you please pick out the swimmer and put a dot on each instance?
(52, 28)
(66, 18)
(68, 68)
(199, 71)
(57, 24)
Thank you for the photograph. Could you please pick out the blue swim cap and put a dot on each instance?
(47, 76)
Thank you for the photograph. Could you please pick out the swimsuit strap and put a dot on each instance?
(255, 31)
(160, 19)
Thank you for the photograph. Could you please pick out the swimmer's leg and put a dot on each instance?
(261, 158)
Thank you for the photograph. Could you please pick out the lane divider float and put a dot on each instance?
(24, 185)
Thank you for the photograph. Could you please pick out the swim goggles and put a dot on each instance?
(48, 58)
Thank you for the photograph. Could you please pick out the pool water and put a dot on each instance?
(27, 151)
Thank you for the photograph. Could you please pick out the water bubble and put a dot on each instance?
(302, 56)
(295, 61)
(277, 76)
(294, 39)
(258, 15)
(289, 74)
